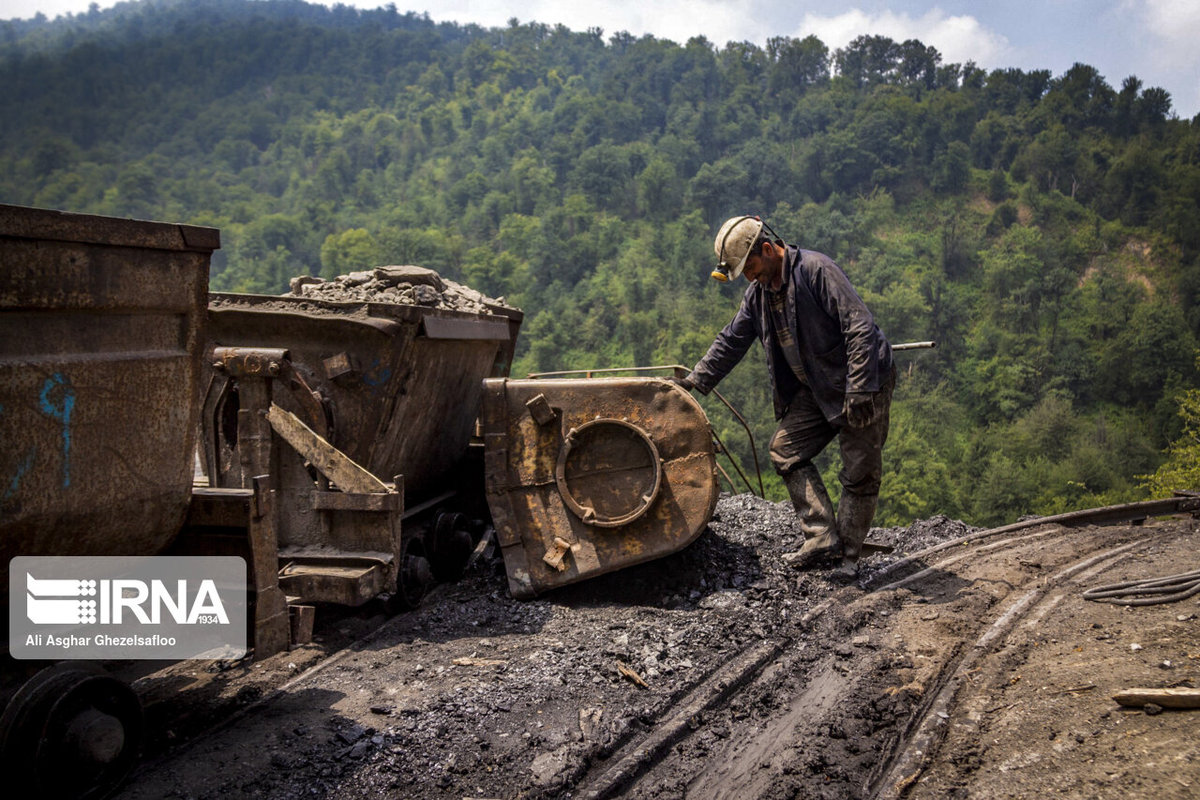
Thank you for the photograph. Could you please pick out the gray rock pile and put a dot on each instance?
(407, 285)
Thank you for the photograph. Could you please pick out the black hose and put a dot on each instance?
(1170, 589)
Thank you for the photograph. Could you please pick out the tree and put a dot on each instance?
(1080, 98)
(1181, 470)
(868, 60)
(658, 190)
(918, 65)
(602, 174)
(951, 169)
(796, 65)
(1134, 184)
(350, 250)
(719, 189)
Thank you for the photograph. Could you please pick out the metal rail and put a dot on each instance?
(589, 373)
(638, 756)
(1137, 513)
(681, 370)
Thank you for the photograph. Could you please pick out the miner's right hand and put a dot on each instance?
(859, 409)
(684, 383)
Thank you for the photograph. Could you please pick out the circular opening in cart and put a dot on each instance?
(609, 472)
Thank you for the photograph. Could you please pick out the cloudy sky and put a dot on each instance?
(1157, 40)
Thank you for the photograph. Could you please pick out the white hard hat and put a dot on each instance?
(733, 244)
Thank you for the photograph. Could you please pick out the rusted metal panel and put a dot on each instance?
(272, 625)
(346, 582)
(43, 224)
(341, 501)
(101, 338)
(302, 618)
(589, 476)
(476, 329)
(220, 508)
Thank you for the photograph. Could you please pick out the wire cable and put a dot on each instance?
(1147, 592)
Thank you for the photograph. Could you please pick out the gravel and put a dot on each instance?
(402, 285)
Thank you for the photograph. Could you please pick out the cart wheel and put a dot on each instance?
(72, 731)
(449, 544)
(414, 577)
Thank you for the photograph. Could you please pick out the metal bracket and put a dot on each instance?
(338, 365)
(554, 556)
(540, 410)
(327, 459)
(250, 362)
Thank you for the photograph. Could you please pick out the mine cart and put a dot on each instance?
(362, 414)
(101, 330)
(101, 338)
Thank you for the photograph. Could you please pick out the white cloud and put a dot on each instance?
(958, 38)
(27, 9)
(677, 20)
(1163, 35)
(1176, 21)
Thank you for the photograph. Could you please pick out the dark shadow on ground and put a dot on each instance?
(306, 752)
(708, 565)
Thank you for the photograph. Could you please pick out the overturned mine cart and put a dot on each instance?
(586, 476)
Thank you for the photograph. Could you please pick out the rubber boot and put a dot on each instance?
(815, 510)
(855, 512)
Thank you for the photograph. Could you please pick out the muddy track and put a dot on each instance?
(971, 667)
(865, 716)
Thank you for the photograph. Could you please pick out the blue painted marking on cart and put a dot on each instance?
(377, 375)
(22, 468)
(58, 402)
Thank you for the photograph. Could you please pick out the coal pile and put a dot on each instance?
(402, 285)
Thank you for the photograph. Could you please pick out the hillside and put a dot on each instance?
(1042, 228)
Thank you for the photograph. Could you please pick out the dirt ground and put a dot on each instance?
(975, 670)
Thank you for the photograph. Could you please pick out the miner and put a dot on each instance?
(831, 374)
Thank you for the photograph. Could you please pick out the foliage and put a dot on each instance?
(1181, 470)
(1041, 228)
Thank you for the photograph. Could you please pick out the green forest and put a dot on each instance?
(1043, 229)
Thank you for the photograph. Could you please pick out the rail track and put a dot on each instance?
(911, 648)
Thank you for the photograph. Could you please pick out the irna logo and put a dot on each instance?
(127, 607)
(116, 601)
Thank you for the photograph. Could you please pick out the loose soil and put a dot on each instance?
(973, 671)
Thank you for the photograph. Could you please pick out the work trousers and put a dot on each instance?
(804, 432)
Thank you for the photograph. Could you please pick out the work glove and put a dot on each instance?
(859, 409)
(684, 383)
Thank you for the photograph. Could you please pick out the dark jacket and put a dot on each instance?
(841, 348)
